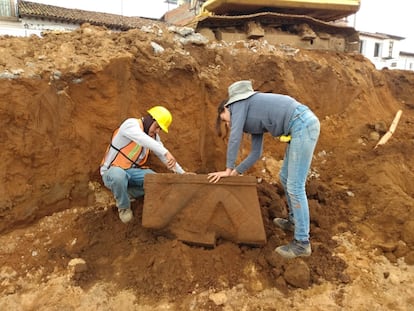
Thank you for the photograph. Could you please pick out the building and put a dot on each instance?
(382, 49)
(406, 61)
(25, 18)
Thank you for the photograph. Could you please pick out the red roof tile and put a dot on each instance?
(75, 16)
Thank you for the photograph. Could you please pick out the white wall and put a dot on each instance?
(406, 62)
(26, 27)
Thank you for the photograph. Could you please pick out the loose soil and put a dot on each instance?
(62, 244)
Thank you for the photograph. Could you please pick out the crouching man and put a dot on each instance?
(123, 166)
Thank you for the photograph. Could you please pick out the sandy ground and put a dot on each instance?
(62, 245)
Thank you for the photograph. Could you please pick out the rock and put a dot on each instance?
(409, 258)
(380, 127)
(401, 250)
(273, 166)
(387, 246)
(374, 136)
(158, 49)
(297, 274)
(77, 265)
(218, 298)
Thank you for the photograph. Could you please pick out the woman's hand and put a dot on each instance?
(215, 177)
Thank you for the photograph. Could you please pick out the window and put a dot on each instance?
(362, 46)
(7, 8)
(390, 47)
(377, 49)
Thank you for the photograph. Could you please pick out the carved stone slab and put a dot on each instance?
(200, 212)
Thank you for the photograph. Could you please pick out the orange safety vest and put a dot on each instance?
(127, 155)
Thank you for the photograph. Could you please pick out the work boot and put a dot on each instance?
(284, 224)
(294, 249)
(125, 214)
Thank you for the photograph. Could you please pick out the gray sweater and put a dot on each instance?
(256, 115)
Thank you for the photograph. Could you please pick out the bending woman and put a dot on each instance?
(255, 113)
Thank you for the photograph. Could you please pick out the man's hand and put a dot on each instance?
(171, 161)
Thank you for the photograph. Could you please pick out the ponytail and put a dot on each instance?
(220, 110)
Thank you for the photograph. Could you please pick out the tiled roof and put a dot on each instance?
(406, 54)
(75, 16)
(379, 35)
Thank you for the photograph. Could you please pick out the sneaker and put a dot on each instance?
(294, 249)
(284, 224)
(125, 214)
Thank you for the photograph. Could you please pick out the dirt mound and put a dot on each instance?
(62, 244)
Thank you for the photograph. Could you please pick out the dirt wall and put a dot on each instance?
(62, 96)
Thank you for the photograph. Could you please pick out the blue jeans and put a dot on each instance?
(125, 184)
(304, 130)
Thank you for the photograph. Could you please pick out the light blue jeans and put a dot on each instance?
(304, 130)
(125, 184)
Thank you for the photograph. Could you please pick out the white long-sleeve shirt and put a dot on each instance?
(130, 130)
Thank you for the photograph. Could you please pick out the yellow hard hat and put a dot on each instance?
(162, 116)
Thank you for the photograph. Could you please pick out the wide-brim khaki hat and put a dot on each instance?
(240, 90)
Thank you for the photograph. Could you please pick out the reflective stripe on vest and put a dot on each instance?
(128, 155)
